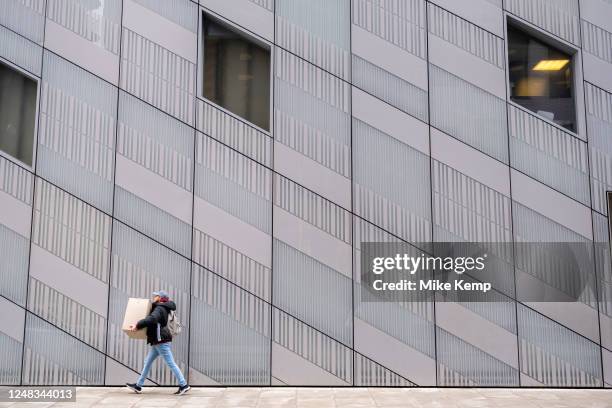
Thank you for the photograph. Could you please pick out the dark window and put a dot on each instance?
(236, 72)
(17, 114)
(541, 78)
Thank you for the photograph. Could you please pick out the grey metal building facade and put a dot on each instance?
(389, 120)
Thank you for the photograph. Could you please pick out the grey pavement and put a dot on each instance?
(161, 397)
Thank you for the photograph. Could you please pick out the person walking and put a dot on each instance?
(159, 337)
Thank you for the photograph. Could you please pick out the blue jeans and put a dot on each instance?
(163, 350)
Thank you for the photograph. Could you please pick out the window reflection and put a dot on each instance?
(541, 78)
(236, 73)
(17, 114)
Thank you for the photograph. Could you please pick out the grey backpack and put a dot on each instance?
(174, 325)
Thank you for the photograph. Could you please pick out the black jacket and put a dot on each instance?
(156, 323)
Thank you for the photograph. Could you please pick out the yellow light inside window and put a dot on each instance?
(550, 65)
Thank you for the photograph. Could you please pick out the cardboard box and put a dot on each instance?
(136, 310)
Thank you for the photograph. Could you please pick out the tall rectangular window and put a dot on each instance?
(236, 72)
(541, 77)
(17, 114)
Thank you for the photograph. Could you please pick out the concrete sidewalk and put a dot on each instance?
(335, 397)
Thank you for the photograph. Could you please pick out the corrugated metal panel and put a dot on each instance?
(67, 314)
(460, 364)
(267, 4)
(156, 141)
(598, 102)
(497, 308)
(234, 133)
(381, 194)
(100, 25)
(14, 248)
(20, 51)
(317, 30)
(560, 17)
(231, 264)
(466, 35)
(312, 112)
(390, 88)
(52, 357)
(597, 41)
(314, 209)
(81, 85)
(368, 373)
(605, 295)
(603, 262)
(16, 181)
(158, 76)
(545, 264)
(153, 221)
(400, 22)
(10, 368)
(26, 17)
(468, 211)
(14, 261)
(234, 183)
(312, 345)
(554, 355)
(405, 321)
(548, 154)
(233, 332)
(72, 230)
(531, 226)
(141, 265)
(181, 12)
(468, 113)
(76, 135)
(400, 307)
(245, 308)
(299, 278)
(409, 320)
(603, 257)
(599, 121)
